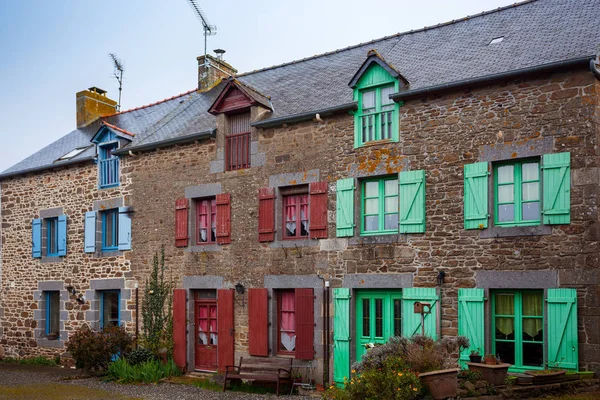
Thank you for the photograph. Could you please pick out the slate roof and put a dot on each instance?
(535, 32)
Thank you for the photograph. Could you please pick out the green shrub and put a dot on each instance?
(37, 360)
(139, 355)
(150, 371)
(93, 350)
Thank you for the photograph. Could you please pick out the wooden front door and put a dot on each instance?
(206, 334)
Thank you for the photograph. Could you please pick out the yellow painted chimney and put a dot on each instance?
(93, 104)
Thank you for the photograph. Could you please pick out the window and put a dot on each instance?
(496, 40)
(286, 332)
(108, 165)
(109, 308)
(110, 222)
(518, 328)
(52, 314)
(379, 206)
(376, 114)
(237, 142)
(517, 193)
(73, 153)
(295, 212)
(52, 237)
(206, 221)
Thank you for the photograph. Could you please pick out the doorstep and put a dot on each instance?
(533, 391)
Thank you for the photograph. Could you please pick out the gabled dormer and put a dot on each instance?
(108, 139)
(377, 117)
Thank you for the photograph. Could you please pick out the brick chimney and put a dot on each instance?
(209, 77)
(93, 104)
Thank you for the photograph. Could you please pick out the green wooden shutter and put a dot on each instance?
(476, 195)
(411, 322)
(412, 201)
(562, 328)
(345, 207)
(471, 321)
(557, 188)
(341, 335)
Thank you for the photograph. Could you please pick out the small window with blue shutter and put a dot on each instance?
(49, 237)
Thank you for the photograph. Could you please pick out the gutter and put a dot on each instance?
(47, 167)
(306, 116)
(594, 68)
(168, 142)
(574, 62)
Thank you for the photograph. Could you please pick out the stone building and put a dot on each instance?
(306, 207)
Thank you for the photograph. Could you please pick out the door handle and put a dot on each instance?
(231, 331)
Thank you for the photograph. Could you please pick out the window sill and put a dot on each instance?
(293, 243)
(51, 259)
(108, 253)
(515, 231)
(375, 143)
(108, 186)
(378, 239)
(209, 247)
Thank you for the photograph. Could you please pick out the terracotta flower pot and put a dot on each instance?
(441, 384)
(494, 374)
(475, 359)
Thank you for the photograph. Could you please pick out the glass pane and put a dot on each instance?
(397, 320)
(371, 223)
(506, 193)
(391, 204)
(532, 304)
(366, 304)
(371, 189)
(533, 354)
(53, 248)
(110, 308)
(506, 174)
(391, 187)
(108, 229)
(371, 206)
(533, 329)
(379, 317)
(531, 191)
(385, 95)
(54, 309)
(368, 100)
(506, 213)
(505, 304)
(506, 352)
(505, 328)
(530, 171)
(531, 211)
(390, 221)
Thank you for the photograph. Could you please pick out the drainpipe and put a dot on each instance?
(137, 319)
(326, 326)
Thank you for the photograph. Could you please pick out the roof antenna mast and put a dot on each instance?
(118, 73)
(209, 30)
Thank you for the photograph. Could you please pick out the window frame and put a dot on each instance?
(51, 233)
(376, 113)
(298, 206)
(517, 192)
(280, 350)
(49, 311)
(381, 205)
(240, 133)
(105, 150)
(114, 214)
(518, 317)
(197, 204)
(103, 293)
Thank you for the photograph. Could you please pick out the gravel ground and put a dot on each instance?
(33, 379)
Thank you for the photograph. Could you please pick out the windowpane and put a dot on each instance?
(391, 204)
(506, 213)
(110, 308)
(51, 231)
(110, 229)
(371, 189)
(371, 206)
(379, 317)
(533, 329)
(533, 354)
(531, 191)
(53, 313)
(506, 194)
(385, 95)
(506, 174)
(372, 223)
(390, 221)
(506, 351)
(532, 304)
(531, 211)
(505, 328)
(397, 318)
(368, 101)
(206, 221)
(391, 187)
(505, 304)
(287, 321)
(366, 323)
(530, 171)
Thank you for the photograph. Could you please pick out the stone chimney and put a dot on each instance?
(209, 76)
(93, 104)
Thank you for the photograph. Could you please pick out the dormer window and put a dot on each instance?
(108, 165)
(376, 114)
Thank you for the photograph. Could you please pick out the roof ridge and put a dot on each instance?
(399, 34)
(151, 104)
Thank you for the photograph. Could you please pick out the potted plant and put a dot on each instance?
(491, 370)
(475, 357)
(490, 359)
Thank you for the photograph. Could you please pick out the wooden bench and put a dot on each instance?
(261, 369)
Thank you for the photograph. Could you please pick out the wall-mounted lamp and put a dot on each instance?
(440, 278)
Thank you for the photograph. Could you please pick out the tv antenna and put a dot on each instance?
(118, 73)
(209, 30)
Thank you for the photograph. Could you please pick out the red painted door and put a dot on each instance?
(207, 337)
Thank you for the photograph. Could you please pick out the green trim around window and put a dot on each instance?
(386, 193)
(517, 327)
(513, 182)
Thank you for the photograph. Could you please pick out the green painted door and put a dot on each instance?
(378, 317)
(341, 335)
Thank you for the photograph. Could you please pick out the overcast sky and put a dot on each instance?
(49, 50)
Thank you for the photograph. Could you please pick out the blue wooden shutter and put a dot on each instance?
(476, 195)
(90, 232)
(412, 201)
(62, 235)
(36, 238)
(345, 207)
(557, 188)
(471, 321)
(341, 335)
(562, 328)
(124, 235)
(411, 322)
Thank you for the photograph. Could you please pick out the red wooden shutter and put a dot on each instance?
(181, 222)
(318, 210)
(225, 328)
(223, 218)
(266, 214)
(257, 322)
(305, 324)
(179, 328)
